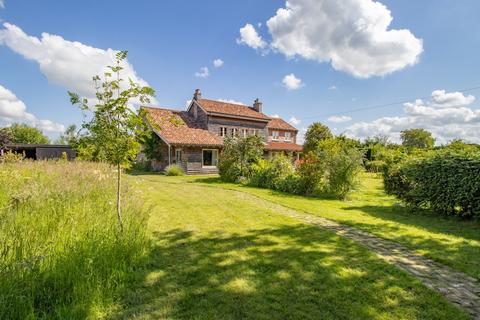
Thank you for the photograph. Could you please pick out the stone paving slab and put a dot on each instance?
(456, 286)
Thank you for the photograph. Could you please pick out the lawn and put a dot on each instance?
(450, 241)
(219, 255)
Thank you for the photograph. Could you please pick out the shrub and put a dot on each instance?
(375, 165)
(174, 170)
(445, 182)
(343, 167)
(238, 156)
(63, 256)
(272, 173)
(311, 173)
(11, 157)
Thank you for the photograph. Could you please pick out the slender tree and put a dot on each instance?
(115, 127)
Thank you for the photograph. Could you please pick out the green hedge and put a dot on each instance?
(446, 183)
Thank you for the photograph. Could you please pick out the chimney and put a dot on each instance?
(257, 105)
(197, 95)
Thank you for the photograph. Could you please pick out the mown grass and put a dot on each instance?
(448, 240)
(221, 254)
(61, 254)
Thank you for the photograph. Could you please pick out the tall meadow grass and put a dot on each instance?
(61, 253)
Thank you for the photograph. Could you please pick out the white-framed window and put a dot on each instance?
(244, 133)
(233, 132)
(178, 156)
(288, 136)
(254, 132)
(223, 131)
(209, 157)
(275, 135)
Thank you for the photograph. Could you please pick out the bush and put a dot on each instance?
(272, 173)
(311, 173)
(238, 156)
(63, 256)
(445, 182)
(174, 170)
(375, 166)
(11, 157)
(343, 167)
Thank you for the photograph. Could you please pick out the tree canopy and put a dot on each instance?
(316, 133)
(417, 138)
(23, 133)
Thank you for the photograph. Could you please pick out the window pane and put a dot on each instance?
(207, 157)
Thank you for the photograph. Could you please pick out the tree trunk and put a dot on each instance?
(119, 208)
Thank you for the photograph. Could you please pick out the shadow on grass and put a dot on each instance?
(287, 272)
(424, 219)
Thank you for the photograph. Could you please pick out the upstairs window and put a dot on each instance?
(254, 132)
(288, 136)
(233, 132)
(275, 135)
(223, 131)
(244, 133)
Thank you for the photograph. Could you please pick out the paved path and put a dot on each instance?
(457, 287)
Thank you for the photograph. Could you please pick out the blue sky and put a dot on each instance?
(343, 56)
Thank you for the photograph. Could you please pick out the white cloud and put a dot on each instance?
(291, 82)
(230, 101)
(294, 121)
(203, 73)
(301, 135)
(274, 116)
(446, 115)
(13, 109)
(65, 63)
(352, 35)
(339, 119)
(250, 37)
(332, 88)
(217, 63)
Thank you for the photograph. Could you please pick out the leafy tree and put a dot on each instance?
(115, 131)
(5, 137)
(238, 155)
(316, 133)
(23, 133)
(417, 138)
(378, 139)
(70, 136)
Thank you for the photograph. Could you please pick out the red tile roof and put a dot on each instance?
(283, 146)
(279, 123)
(178, 128)
(231, 109)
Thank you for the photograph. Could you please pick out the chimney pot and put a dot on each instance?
(257, 105)
(197, 95)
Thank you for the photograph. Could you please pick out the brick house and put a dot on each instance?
(193, 138)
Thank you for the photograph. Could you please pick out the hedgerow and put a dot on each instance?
(448, 183)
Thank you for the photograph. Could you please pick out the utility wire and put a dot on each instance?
(379, 106)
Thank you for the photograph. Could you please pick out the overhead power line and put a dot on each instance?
(379, 106)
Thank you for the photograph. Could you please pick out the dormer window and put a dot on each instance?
(288, 136)
(275, 135)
